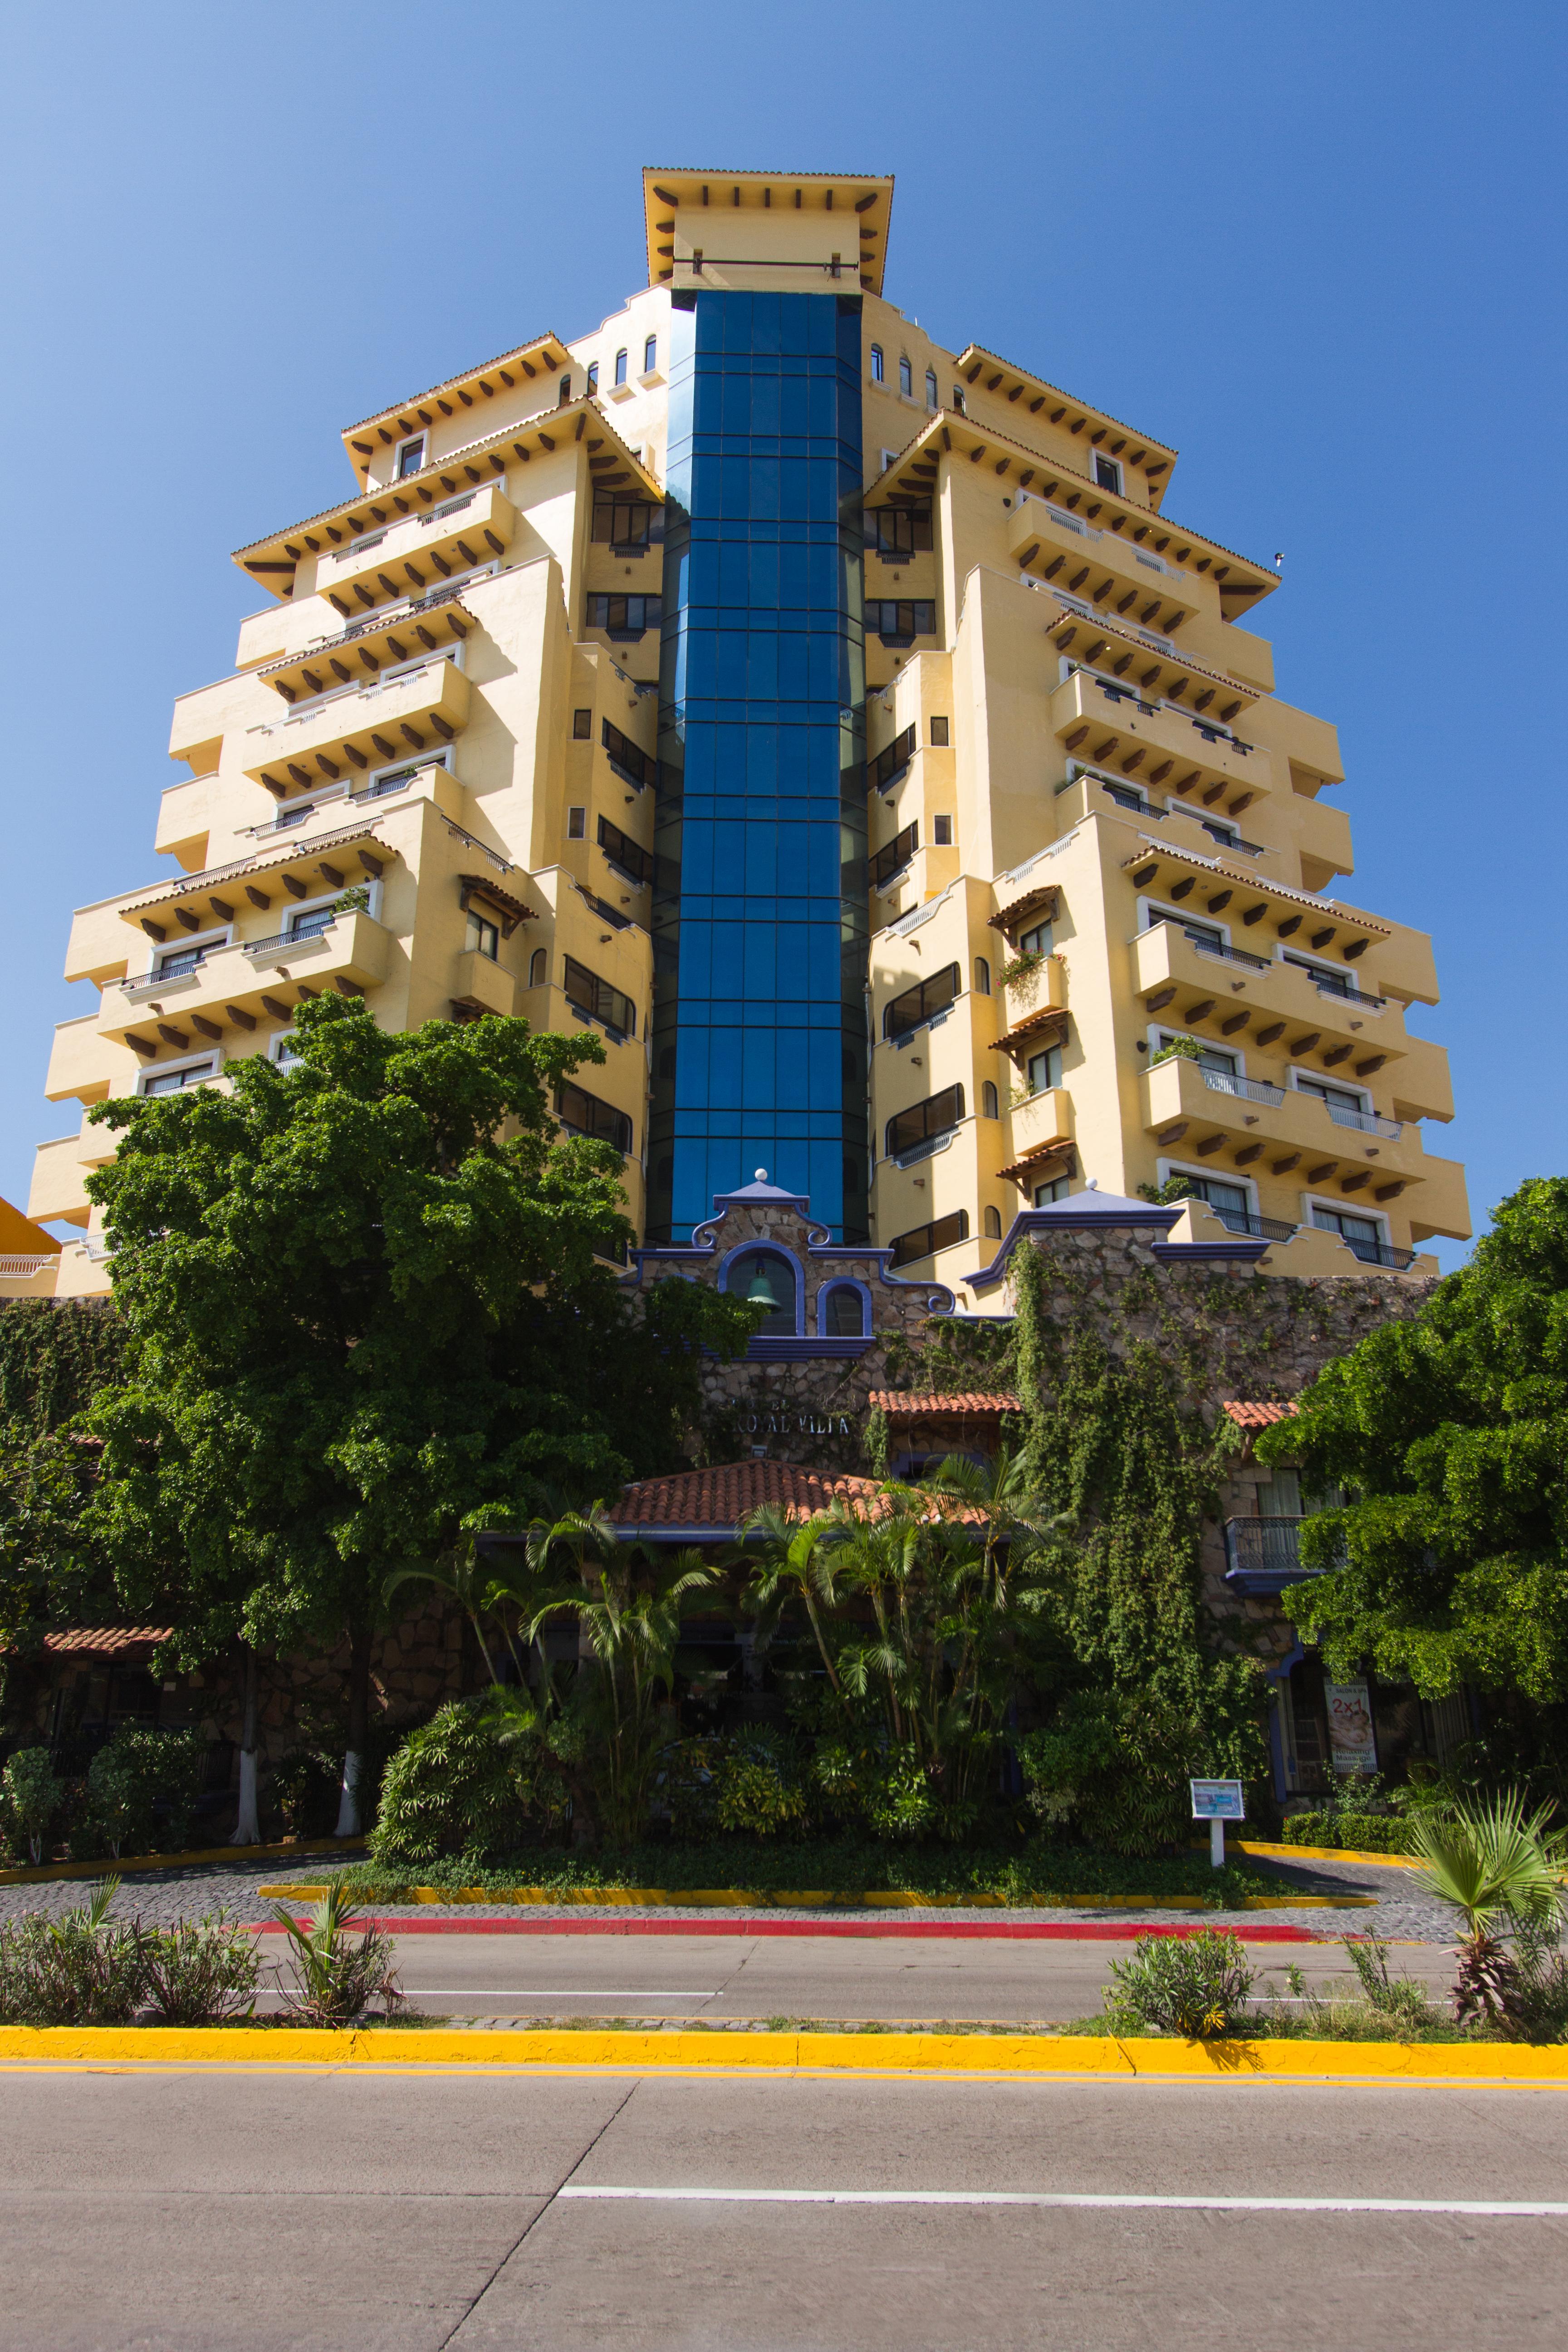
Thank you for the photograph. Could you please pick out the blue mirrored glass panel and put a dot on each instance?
(760, 916)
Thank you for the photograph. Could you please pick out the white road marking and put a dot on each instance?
(548, 1992)
(1468, 2207)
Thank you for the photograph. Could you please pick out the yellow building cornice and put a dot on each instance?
(390, 425)
(1132, 447)
(864, 198)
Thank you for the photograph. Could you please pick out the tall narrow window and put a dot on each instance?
(483, 938)
(939, 735)
(988, 1103)
(593, 375)
(538, 968)
(930, 387)
(906, 377)
(941, 831)
(993, 1225)
(1107, 474)
(620, 367)
(410, 455)
(875, 363)
(1044, 1069)
(958, 400)
(582, 726)
(565, 390)
(982, 977)
(650, 356)
(576, 823)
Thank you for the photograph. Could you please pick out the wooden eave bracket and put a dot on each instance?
(511, 910)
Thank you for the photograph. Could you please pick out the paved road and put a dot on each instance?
(524, 1976)
(305, 2211)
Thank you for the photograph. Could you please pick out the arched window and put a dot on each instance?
(565, 390)
(906, 376)
(958, 400)
(988, 1100)
(930, 387)
(620, 367)
(593, 376)
(875, 363)
(843, 1313)
(538, 968)
(982, 977)
(767, 1278)
(993, 1225)
(650, 356)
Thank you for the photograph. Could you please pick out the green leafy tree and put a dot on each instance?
(358, 1294)
(1450, 1431)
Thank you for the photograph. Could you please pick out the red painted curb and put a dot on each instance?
(1019, 1930)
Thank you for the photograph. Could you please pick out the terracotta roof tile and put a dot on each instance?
(721, 1497)
(904, 1405)
(1258, 1416)
(106, 1641)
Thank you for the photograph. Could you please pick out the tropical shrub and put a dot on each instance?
(452, 1788)
(1194, 1985)
(1400, 1998)
(79, 1969)
(143, 1786)
(199, 1972)
(750, 1782)
(1501, 1869)
(32, 1794)
(337, 1976)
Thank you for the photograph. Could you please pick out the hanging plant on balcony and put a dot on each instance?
(1180, 1049)
(1023, 966)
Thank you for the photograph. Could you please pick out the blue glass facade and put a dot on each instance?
(760, 911)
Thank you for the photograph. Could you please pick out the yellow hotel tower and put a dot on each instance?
(840, 725)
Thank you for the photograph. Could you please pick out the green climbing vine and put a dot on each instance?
(54, 1359)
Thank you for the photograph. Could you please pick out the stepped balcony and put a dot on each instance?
(1040, 1131)
(421, 704)
(1161, 743)
(1264, 1555)
(1321, 1017)
(1107, 572)
(1280, 1132)
(235, 988)
(414, 556)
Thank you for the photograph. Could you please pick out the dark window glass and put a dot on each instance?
(410, 458)
(538, 968)
(574, 1106)
(767, 1280)
(917, 1005)
(593, 375)
(898, 621)
(988, 1102)
(930, 387)
(1107, 473)
(982, 977)
(625, 758)
(923, 1241)
(881, 770)
(894, 857)
(993, 1225)
(906, 378)
(582, 726)
(846, 1316)
(565, 390)
(626, 522)
(596, 998)
(650, 356)
(875, 363)
(939, 734)
(941, 831)
(923, 1120)
(178, 961)
(899, 530)
(624, 616)
(620, 367)
(576, 825)
(627, 855)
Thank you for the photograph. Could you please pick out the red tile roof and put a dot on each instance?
(1258, 1416)
(905, 1405)
(719, 1499)
(107, 1641)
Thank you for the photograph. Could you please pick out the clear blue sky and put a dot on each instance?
(1319, 247)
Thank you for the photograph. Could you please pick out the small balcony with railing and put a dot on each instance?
(1103, 568)
(1231, 1121)
(1263, 1556)
(412, 556)
(421, 704)
(1194, 980)
(1111, 723)
(205, 993)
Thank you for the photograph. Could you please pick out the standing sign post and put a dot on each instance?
(1216, 1802)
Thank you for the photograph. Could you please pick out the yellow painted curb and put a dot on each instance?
(1324, 1854)
(734, 1898)
(730, 2051)
(47, 1873)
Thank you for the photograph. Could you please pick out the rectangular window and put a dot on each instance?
(938, 1115)
(626, 523)
(625, 758)
(897, 623)
(582, 726)
(941, 831)
(906, 378)
(1057, 1190)
(1337, 1097)
(1037, 940)
(650, 356)
(924, 1241)
(881, 770)
(173, 1082)
(1335, 983)
(906, 1013)
(598, 1000)
(1044, 1069)
(311, 925)
(1107, 474)
(484, 938)
(576, 825)
(627, 855)
(586, 1115)
(939, 735)
(624, 616)
(899, 530)
(173, 963)
(1211, 1058)
(894, 858)
(889, 457)
(1127, 797)
(410, 456)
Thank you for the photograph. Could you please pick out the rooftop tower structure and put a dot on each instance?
(840, 724)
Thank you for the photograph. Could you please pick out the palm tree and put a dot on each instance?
(791, 1558)
(628, 1604)
(457, 1573)
(1498, 1868)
